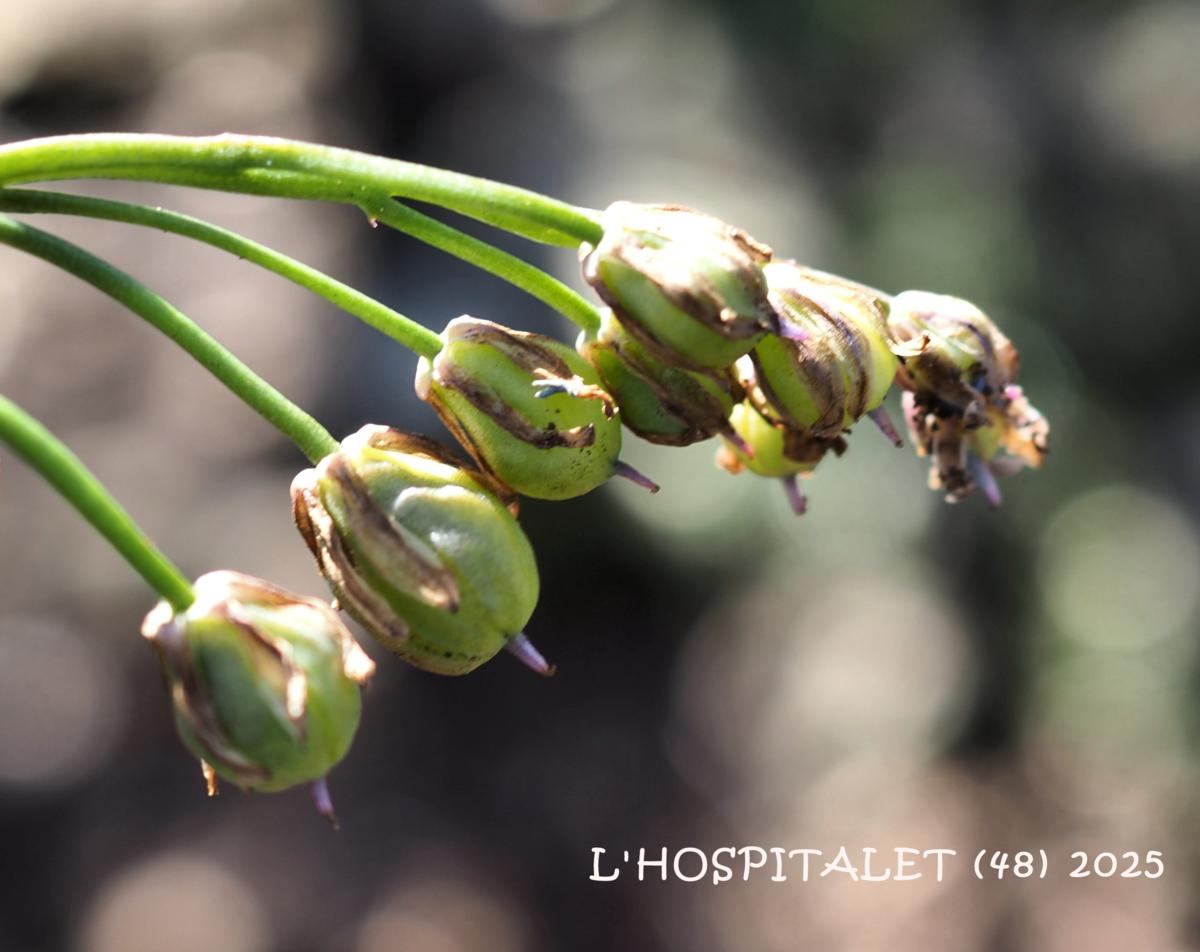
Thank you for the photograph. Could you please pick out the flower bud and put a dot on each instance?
(689, 287)
(961, 406)
(417, 550)
(265, 684)
(832, 363)
(659, 402)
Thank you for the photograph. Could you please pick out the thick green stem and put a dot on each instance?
(313, 439)
(75, 483)
(408, 332)
(550, 291)
(270, 166)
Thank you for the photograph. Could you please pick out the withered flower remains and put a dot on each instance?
(961, 405)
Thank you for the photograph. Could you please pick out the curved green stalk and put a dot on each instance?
(270, 166)
(574, 307)
(313, 439)
(415, 336)
(63, 470)
(408, 332)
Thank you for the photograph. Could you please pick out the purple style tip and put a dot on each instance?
(879, 416)
(625, 471)
(523, 650)
(795, 495)
(323, 802)
(985, 479)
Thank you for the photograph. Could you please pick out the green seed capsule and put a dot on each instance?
(961, 406)
(689, 287)
(830, 365)
(417, 549)
(527, 408)
(833, 363)
(265, 684)
(774, 450)
(660, 403)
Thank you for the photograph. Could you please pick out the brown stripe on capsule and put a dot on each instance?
(650, 343)
(760, 252)
(194, 708)
(506, 417)
(520, 347)
(697, 296)
(647, 341)
(340, 569)
(243, 589)
(375, 529)
(1002, 361)
(851, 359)
(414, 444)
(692, 294)
(700, 413)
(294, 682)
(813, 362)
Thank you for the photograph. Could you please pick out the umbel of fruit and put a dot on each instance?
(419, 551)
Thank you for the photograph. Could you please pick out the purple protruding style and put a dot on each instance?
(523, 650)
(799, 502)
(879, 416)
(625, 471)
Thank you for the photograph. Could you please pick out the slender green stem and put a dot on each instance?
(313, 439)
(408, 332)
(78, 486)
(270, 166)
(574, 307)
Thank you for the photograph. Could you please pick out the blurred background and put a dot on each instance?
(887, 671)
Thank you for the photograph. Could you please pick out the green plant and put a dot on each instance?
(705, 333)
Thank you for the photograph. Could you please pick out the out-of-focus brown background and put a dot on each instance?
(888, 671)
